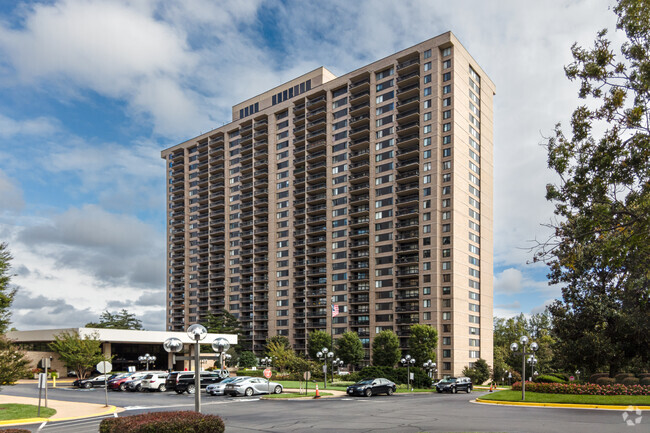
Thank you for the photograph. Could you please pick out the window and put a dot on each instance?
(474, 331)
(446, 114)
(446, 52)
(383, 74)
(446, 89)
(446, 102)
(427, 116)
(446, 76)
(427, 78)
(426, 129)
(474, 342)
(385, 97)
(474, 296)
(427, 66)
(427, 103)
(426, 54)
(446, 315)
(426, 303)
(474, 307)
(427, 154)
(427, 91)
(474, 353)
(474, 319)
(385, 85)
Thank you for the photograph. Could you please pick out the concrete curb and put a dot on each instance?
(562, 405)
(10, 422)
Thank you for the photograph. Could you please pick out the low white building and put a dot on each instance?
(124, 346)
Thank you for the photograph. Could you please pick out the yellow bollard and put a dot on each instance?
(53, 381)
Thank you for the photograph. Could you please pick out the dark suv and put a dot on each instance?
(455, 384)
(185, 381)
(174, 378)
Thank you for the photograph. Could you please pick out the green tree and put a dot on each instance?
(385, 349)
(280, 339)
(13, 365)
(77, 353)
(119, 320)
(479, 373)
(350, 348)
(6, 292)
(280, 354)
(599, 250)
(247, 360)
(423, 342)
(316, 341)
(224, 323)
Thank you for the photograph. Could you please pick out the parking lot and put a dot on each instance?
(417, 412)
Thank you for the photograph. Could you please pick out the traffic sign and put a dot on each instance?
(307, 375)
(267, 373)
(104, 367)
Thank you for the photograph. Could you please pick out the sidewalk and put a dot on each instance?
(65, 410)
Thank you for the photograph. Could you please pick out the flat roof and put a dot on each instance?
(115, 335)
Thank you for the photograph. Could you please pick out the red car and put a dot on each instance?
(119, 383)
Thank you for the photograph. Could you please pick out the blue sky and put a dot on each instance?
(91, 91)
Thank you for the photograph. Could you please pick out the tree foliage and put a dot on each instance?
(350, 348)
(77, 353)
(281, 355)
(316, 341)
(6, 292)
(385, 349)
(247, 360)
(479, 373)
(599, 251)
(13, 365)
(423, 342)
(223, 323)
(119, 320)
(280, 339)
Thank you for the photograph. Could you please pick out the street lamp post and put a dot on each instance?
(532, 361)
(430, 367)
(147, 359)
(197, 333)
(266, 362)
(408, 361)
(336, 363)
(514, 347)
(221, 346)
(324, 355)
(578, 375)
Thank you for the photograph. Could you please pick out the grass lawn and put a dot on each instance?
(19, 411)
(295, 395)
(295, 384)
(540, 397)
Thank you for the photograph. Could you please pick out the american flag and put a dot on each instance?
(335, 310)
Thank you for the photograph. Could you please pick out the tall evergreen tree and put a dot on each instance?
(599, 251)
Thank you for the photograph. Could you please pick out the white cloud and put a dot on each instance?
(513, 281)
(40, 126)
(11, 195)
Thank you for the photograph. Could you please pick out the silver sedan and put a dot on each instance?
(251, 386)
(218, 388)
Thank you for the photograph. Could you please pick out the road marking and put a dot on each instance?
(190, 404)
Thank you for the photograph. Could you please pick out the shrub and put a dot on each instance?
(606, 381)
(586, 389)
(645, 380)
(562, 376)
(547, 378)
(619, 377)
(643, 375)
(594, 377)
(630, 381)
(164, 422)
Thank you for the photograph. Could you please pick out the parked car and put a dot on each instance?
(91, 382)
(251, 386)
(154, 381)
(455, 384)
(219, 388)
(174, 377)
(134, 384)
(187, 384)
(119, 382)
(368, 387)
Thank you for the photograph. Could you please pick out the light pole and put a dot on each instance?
(323, 356)
(430, 367)
(336, 363)
(197, 333)
(147, 359)
(514, 347)
(266, 362)
(221, 346)
(532, 361)
(578, 375)
(408, 361)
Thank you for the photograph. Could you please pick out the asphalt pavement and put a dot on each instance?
(408, 413)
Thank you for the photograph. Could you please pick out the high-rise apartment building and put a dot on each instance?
(370, 192)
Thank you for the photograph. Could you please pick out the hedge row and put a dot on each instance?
(549, 378)
(586, 389)
(619, 378)
(164, 422)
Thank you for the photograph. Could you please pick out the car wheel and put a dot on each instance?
(162, 387)
(248, 392)
(178, 391)
(138, 388)
(454, 390)
(368, 392)
(469, 389)
(191, 389)
(277, 390)
(390, 391)
(439, 391)
(88, 385)
(122, 387)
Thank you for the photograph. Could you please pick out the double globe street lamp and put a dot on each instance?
(431, 368)
(146, 359)
(197, 333)
(324, 355)
(514, 347)
(408, 362)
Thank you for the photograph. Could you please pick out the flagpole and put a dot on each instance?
(332, 333)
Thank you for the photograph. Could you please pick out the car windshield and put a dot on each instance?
(450, 380)
(364, 382)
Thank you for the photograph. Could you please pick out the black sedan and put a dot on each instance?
(368, 387)
(92, 382)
